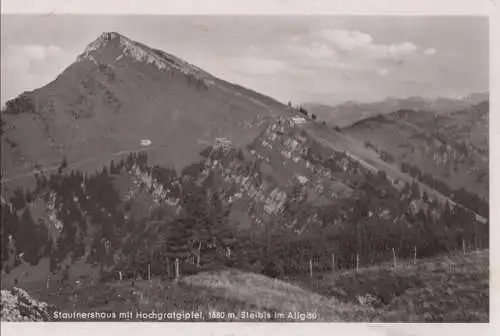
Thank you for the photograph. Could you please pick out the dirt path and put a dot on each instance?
(79, 163)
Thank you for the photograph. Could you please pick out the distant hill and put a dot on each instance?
(348, 113)
(452, 147)
(134, 163)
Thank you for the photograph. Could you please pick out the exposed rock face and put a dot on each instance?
(18, 305)
(138, 53)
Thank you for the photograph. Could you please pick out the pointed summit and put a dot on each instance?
(111, 47)
(120, 91)
(102, 41)
(118, 46)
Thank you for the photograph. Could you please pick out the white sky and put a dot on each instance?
(326, 59)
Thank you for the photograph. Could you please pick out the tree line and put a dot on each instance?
(460, 196)
(368, 227)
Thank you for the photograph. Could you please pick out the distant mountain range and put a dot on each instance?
(350, 112)
(134, 164)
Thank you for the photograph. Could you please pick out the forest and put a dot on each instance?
(461, 196)
(351, 233)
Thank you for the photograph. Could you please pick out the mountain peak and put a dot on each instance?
(103, 40)
(110, 35)
(121, 46)
(124, 46)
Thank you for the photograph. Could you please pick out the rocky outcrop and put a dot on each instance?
(18, 305)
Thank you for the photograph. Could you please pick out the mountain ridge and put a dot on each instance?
(136, 165)
(97, 95)
(345, 114)
(139, 52)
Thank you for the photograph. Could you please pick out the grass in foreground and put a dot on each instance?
(441, 289)
(228, 291)
(452, 288)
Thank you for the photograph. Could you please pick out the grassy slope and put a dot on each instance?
(280, 166)
(404, 139)
(448, 288)
(368, 157)
(116, 112)
(453, 288)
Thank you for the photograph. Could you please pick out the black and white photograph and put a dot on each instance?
(245, 168)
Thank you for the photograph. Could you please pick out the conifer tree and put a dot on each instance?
(178, 240)
(28, 238)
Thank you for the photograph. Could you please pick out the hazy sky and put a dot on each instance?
(327, 59)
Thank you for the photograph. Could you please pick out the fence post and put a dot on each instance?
(463, 245)
(176, 268)
(415, 255)
(357, 262)
(311, 268)
(199, 255)
(394, 256)
(149, 272)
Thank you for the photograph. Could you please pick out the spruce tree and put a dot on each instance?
(29, 238)
(178, 240)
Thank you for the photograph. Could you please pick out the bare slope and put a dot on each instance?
(117, 93)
